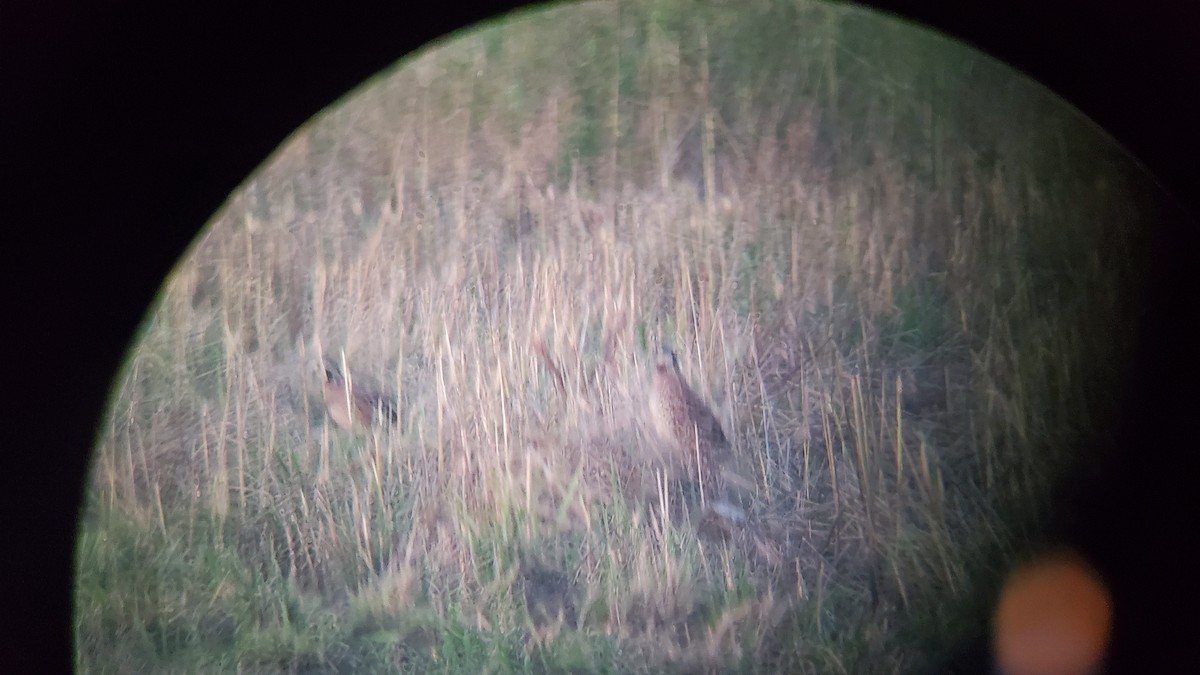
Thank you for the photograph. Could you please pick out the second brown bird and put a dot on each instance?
(353, 408)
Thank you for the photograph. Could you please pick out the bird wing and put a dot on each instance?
(372, 403)
(701, 415)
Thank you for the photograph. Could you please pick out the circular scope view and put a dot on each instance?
(628, 338)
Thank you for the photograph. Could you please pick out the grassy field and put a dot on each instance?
(907, 363)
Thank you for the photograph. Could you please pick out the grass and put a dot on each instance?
(900, 393)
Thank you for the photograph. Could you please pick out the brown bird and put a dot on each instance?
(683, 419)
(353, 408)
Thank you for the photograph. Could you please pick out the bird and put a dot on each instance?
(352, 408)
(688, 425)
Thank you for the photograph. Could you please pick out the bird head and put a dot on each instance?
(332, 375)
(666, 358)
